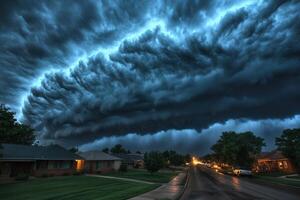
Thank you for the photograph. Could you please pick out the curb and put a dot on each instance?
(185, 185)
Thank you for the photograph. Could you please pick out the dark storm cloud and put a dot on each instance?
(38, 36)
(149, 66)
(192, 141)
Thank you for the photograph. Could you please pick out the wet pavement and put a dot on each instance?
(170, 191)
(206, 184)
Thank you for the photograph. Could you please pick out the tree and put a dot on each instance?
(238, 148)
(123, 167)
(187, 158)
(154, 161)
(289, 144)
(175, 158)
(118, 149)
(105, 150)
(209, 157)
(73, 149)
(12, 131)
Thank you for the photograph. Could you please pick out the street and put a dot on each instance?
(206, 184)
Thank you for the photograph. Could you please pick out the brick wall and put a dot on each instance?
(53, 172)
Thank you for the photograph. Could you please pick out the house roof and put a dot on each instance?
(129, 157)
(273, 155)
(26, 152)
(97, 155)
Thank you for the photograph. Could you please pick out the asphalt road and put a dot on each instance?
(206, 184)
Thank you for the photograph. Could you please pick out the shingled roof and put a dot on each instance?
(26, 152)
(97, 155)
(273, 155)
(129, 157)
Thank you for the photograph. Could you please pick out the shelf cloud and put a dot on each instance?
(80, 72)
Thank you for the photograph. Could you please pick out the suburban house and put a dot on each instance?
(100, 162)
(273, 161)
(18, 159)
(132, 160)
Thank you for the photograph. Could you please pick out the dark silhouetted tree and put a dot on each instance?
(154, 161)
(289, 144)
(118, 149)
(187, 158)
(12, 131)
(175, 158)
(238, 148)
(105, 150)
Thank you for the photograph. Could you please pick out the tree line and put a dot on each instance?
(242, 149)
(155, 160)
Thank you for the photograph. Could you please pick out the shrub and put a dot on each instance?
(22, 177)
(154, 161)
(123, 168)
(66, 174)
(44, 175)
(137, 165)
(77, 173)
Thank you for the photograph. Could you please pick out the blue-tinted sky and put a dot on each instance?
(151, 74)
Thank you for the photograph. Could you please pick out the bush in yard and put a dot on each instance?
(22, 177)
(154, 161)
(44, 175)
(289, 144)
(77, 173)
(66, 174)
(123, 167)
(137, 165)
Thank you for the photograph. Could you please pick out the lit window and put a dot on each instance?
(280, 165)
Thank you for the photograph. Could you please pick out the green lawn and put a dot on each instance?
(139, 174)
(294, 177)
(73, 187)
(276, 180)
(276, 174)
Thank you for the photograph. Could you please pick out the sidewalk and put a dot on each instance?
(119, 178)
(170, 190)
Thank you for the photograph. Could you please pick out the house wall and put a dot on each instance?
(5, 169)
(101, 166)
(133, 163)
(53, 172)
(14, 168)
(267, 166)
(36, 168)
(55, 168)
(117, 164)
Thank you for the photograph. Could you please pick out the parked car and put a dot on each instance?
(227, 170)
(242, 171)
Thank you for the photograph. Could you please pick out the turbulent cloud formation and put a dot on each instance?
(78, 71)
(192, 141)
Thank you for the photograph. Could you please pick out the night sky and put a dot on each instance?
(151, 74)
